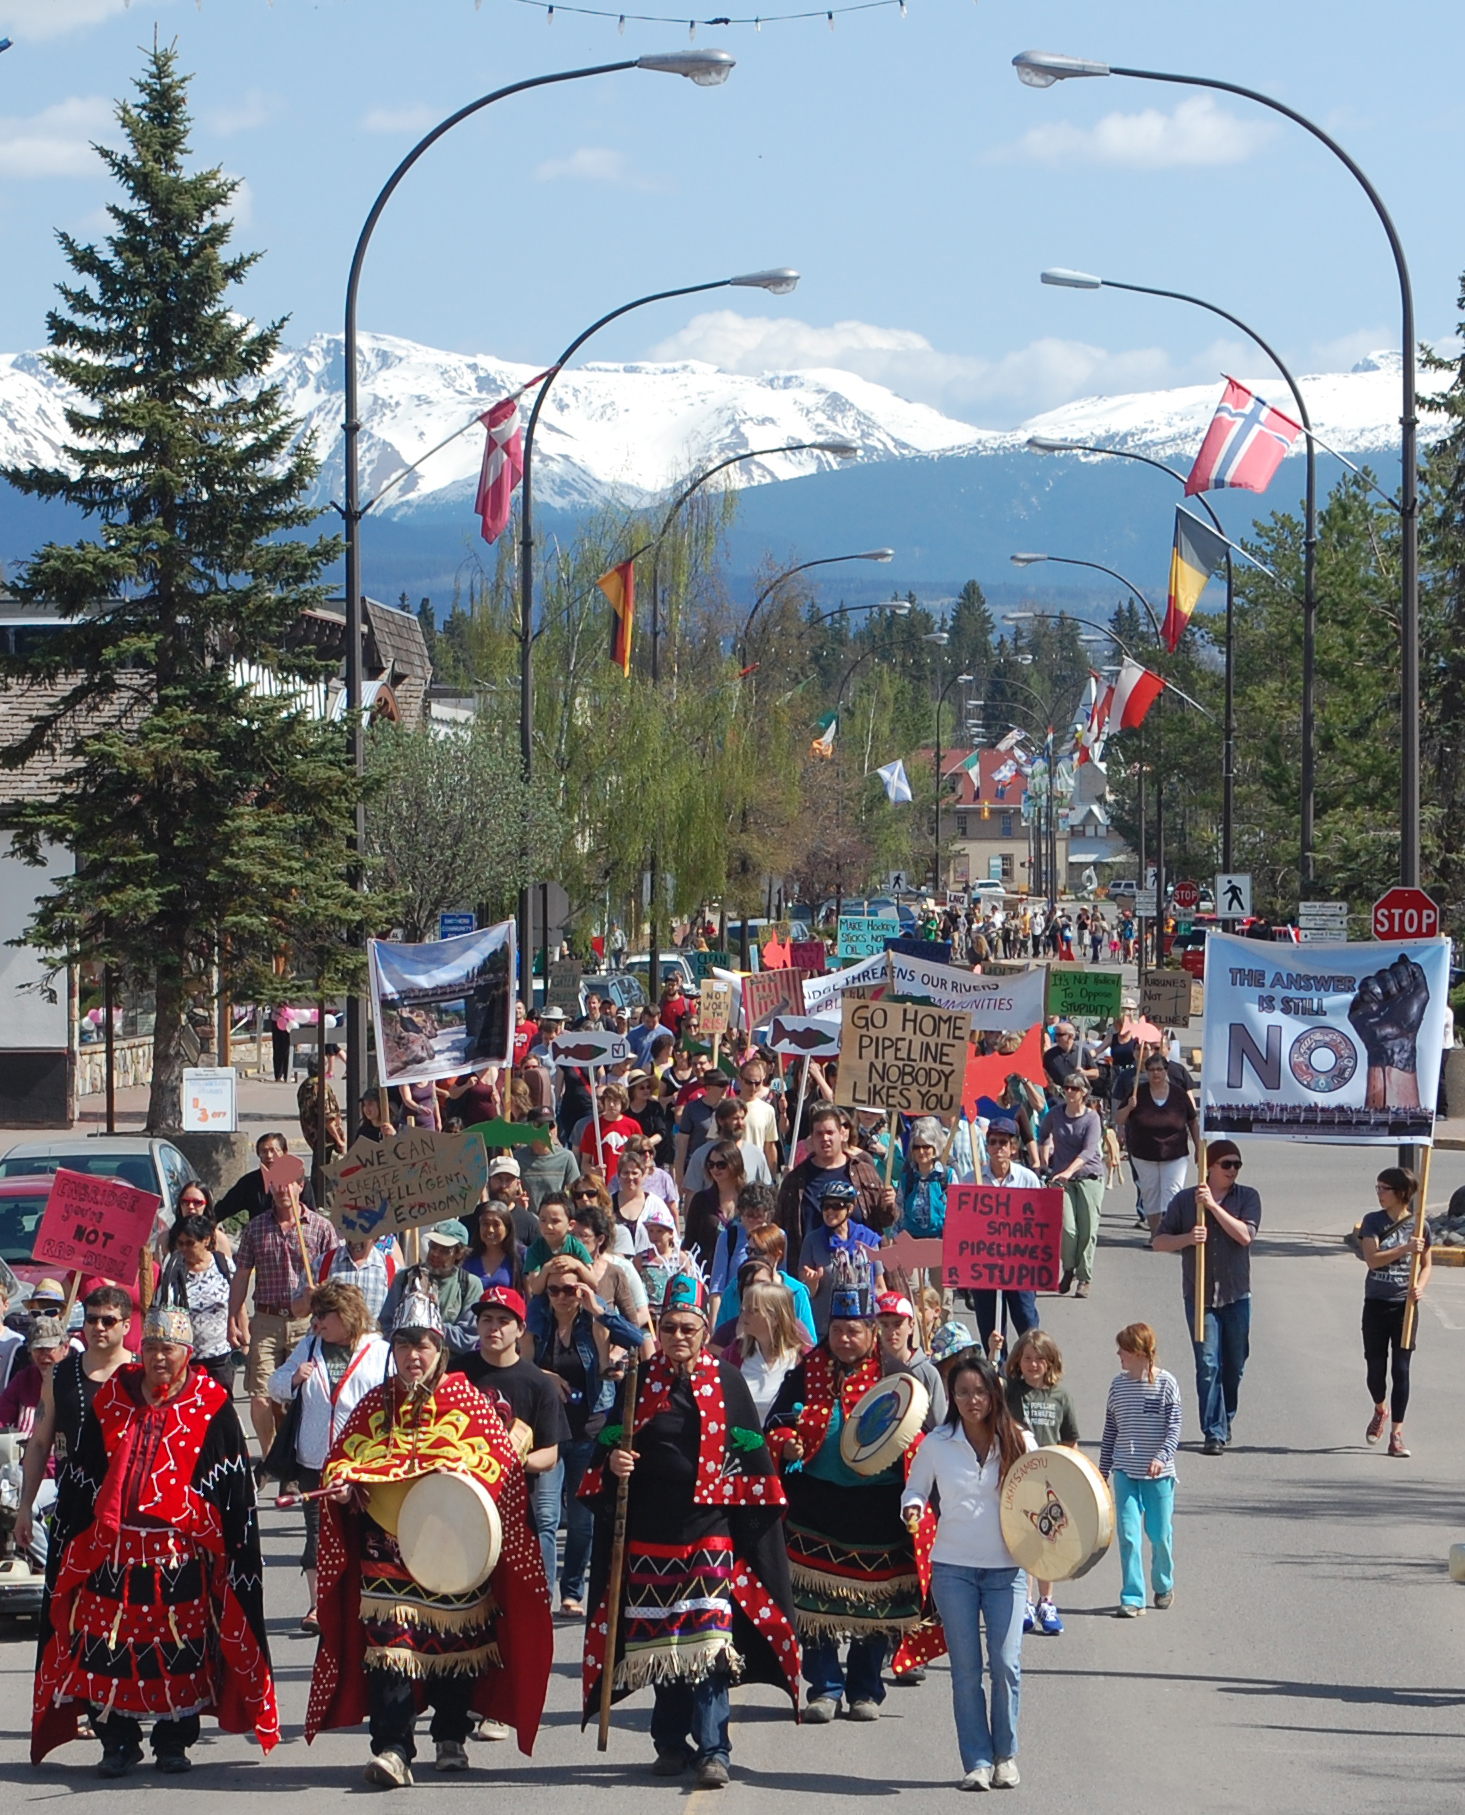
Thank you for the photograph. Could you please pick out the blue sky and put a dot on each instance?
(897, 162)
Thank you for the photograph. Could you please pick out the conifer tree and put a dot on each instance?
(206, 805)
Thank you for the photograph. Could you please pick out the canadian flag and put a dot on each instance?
(1132, 695)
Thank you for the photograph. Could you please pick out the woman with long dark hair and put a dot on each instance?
(974, 1580)
(493, 1253)
(711, 1209)
(1388, 1245)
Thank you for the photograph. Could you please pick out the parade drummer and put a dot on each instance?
(389, 1644)
(707, 1600)
(157, 1608)
(852, 1560)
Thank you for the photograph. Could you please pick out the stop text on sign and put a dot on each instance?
(1405, 914)
(906, 1056)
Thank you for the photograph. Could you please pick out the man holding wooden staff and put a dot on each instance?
(703, 1591)
(1219, 1217)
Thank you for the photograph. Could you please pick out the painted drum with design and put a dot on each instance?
(1057, 1513)
(884, 1424)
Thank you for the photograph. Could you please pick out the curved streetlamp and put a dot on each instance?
(1029, 560)
(707, 69)
(1081, 280)
(957, 680)
(869, 554)
(1041, 69)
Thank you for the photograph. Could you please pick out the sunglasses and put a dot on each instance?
(193, 1203)
(1229, 1165)
(564, 1291)
(716, 1166)
(1074, 1087)
(680, 1329)
(583, 1197)
(101, 1322)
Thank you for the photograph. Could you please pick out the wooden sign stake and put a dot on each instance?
(1199, 1331)
(617, 1558)
(1411, 1308)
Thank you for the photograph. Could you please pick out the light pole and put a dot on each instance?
(1079, 280)
(1048, 444)
(898, 608)
(957, 680)
(708, 69)
(779, 283)
(869, 554)
(1041, 69)
(1045, 844)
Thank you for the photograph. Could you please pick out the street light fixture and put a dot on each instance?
(1041, 69)
(870, 554)
(707, 69)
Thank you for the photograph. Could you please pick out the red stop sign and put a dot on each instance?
(1405, 914)
(1187, 896)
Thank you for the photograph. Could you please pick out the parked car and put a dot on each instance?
(1126, 888)
(621, 987)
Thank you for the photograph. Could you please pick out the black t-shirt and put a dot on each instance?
(1058, 1063)
(527, 1391)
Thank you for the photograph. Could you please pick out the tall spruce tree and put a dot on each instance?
(206, 805)
(1442, 731)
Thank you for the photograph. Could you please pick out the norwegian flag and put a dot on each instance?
(503, 461)
(1244, 445)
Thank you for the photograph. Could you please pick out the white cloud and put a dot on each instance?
(1197, 133)
(24, 19)
(990, 392)
(254, 110)
(57, 141)
(401, 119)
(596, 164)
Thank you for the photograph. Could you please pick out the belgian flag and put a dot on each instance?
(1198, 552)
(619, 586)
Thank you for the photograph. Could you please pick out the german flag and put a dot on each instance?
(619, 586)
(1198, 552)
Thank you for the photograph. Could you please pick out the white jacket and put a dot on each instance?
(321, 1422)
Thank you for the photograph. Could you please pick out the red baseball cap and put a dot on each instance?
(505, 1296)
(894, 1304)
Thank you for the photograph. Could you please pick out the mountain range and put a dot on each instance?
(953, 500)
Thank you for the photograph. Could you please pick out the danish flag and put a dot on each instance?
(1244, 445)
(503, 461)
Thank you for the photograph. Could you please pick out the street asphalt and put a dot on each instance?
(1314, 1658)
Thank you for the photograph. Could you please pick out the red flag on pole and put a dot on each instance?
(1244, 445)
(619, 586)
(1135, 691)
(503, 461)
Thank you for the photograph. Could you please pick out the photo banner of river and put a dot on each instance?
(443, 1007)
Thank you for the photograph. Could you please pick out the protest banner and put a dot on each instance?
(589, 1046)
(704, 963)
(1164, 997)
(986, 1075)
(805, 1036)
(1001, 1239)
(1083, 995)
(384, 1187)
(822, 995)
(996, 1003)
(810, 956)
(929, 951)
(714, 1007)
(770, 993)
(564, 985)
(1338, 1043)
(94, 1225)
(442, 1007)
(902, 1056)
(863, 935)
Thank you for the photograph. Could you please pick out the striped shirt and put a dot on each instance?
(1141, 1425)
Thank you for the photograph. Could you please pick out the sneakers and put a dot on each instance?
(912, 1679)
(1396, 1443)
(173, 1763)
(388, 1771)
(863, 1711)
(980, 1779)
(821, 1709)
(492, 1729)
(119, 1761)
(1004, 1774)
(1081, 1290)
(712, 1774)
(1375, 1426)
(1048, 1618)
(1029, 1618)
(1164, 1602)
(452, 1755)
(1125, 1612)
(1066, 1281)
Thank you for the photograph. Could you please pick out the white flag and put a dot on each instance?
(897, 788)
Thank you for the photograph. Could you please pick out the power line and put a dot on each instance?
(757, 20)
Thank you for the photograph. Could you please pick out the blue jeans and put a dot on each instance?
(546, 1494)
(579, 1520)
(692, 1712)
(968, 1599)
(860, 1675)
(1021, 1307)
(1220, 1361)
(1144, 1509)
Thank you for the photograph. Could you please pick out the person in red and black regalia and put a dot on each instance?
(854, 1564)
(388, 1643)
(707, 1600)
(158, 1606)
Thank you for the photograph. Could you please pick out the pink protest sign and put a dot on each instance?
(1003, 1239)
(95, 1225)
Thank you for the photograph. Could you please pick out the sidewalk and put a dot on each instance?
(263, 1106)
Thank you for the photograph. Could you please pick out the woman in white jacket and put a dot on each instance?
(342, 1358)
(974, 1580)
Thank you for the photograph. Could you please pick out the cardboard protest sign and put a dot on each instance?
(288, 1169)
(1004, 1240)
(775, 954)
(589, 1046)
(1010, 1003)
(442, 1007)
(1164, 997)
(822, 995)
(902, 1055)
(1087, 995)
(94, 1225)
(805, 1036)
(986, 1075)
(862, 935)
(704, 963)
(1339, 1043)
(714, 1007)
(810, 956)
(383, 1187)
(770, 993)
(564, 985)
